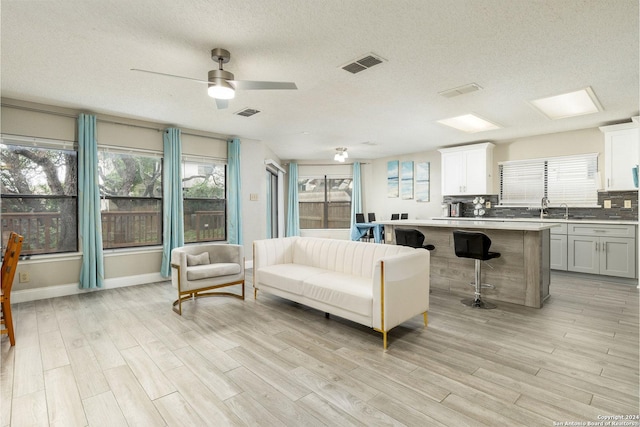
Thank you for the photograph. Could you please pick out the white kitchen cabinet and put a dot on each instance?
(467, 169)
(558, 248)
(621, 151)
(602, 249)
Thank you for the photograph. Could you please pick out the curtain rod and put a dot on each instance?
(75, 116)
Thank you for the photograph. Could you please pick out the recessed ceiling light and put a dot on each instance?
(570, 104)
(469, 123)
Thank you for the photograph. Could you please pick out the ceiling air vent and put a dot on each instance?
(367, 61)
(247, 112)
(450, 93)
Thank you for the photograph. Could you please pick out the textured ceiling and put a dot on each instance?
(78, 53)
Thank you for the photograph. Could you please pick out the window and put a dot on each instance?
(131, 193)
(568, 179)
(325, 202)
(205, 205)
(522, 182)
(39, 196)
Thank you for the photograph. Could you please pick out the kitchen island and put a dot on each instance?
(521, 275)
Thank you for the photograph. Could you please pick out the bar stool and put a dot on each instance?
(412, 238)
(475, 245)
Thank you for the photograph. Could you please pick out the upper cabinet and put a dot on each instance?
(621, 154)
(466, 170)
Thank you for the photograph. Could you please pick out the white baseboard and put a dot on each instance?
(34, 294)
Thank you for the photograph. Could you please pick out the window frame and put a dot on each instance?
(45, 144)
(102, 149)
(206, 161)
(326, 202)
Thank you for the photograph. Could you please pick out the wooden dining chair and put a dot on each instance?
(9, 265)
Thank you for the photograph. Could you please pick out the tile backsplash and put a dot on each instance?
(616, 212)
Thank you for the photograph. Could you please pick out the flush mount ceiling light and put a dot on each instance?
(341, 154)
(469, 123)
(570, 104)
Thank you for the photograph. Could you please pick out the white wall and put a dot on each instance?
(377, 200)
(254, 212)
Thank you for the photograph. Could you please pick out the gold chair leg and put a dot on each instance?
(384, 339)
(426, 318)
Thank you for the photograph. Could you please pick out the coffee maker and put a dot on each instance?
(455, 210)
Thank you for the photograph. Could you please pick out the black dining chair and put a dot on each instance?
(360, 220)
(371, 217)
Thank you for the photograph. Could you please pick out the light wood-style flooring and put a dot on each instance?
(123, 357)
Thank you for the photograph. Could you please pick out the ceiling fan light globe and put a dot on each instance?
(345, 154)
(219, 91)
(338, 158)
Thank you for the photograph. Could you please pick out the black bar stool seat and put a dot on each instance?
(412, 238)
(475, 245)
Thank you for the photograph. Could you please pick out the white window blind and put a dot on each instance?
(567, 179)
(573, 180)
(522, 182)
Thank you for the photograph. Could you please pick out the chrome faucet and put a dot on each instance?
(566, 210)
(544, 206)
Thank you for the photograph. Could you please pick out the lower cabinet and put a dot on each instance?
(558, 247)
(600, 250)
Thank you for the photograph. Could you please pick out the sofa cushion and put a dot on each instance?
(287, 277)
(208, 271)
(352, 293)
(200, 259)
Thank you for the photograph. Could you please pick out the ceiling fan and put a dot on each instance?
(221, 84)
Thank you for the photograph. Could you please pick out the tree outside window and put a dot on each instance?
(39, 197)
(131, 199)
(203, 192)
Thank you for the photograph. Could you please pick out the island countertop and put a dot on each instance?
(474, 224)
(545, 220)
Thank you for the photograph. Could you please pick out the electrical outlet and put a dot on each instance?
(607, 204)
(627, 204)
(487, 205)
(23, 277)
(253, 197)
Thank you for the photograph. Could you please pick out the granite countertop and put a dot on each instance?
(545, 220)
(473, 223)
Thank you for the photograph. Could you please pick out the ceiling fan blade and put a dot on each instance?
(170, 75)
(222, 103)
(252, 85)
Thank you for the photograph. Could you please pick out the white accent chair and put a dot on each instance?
(199, 270)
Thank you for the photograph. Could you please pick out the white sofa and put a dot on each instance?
(200, 270)
(376, 285)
